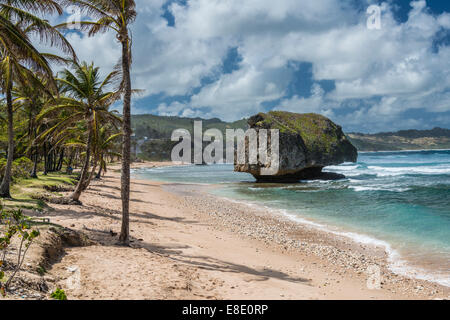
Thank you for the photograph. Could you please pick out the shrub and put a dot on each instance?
(2, 167)
(21, 168)
(13, 226)
(41, 270)
(59, 294)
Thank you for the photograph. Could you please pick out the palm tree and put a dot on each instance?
(3, 125)
(106, 145)
(11, 70)
(17, 53)
(84, 100)
(31, 97)
(116, 16)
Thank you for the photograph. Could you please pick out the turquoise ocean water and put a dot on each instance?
(398, 200)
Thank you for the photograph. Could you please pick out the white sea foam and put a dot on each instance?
(375, 168)
(379, 171)
(401, 151)
(343, 167)
(312, 181)
(424, 170)
(395, 261)
(378, 188)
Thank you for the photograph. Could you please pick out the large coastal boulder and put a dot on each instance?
(307, 144)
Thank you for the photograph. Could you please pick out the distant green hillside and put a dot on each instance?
(436, 138)
(160, 127)
(158, 130)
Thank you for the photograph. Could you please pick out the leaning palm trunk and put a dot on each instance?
(91, 175)
(126, 148)
(99, 173)
(85, 170)
(60, 161)
(5, 185)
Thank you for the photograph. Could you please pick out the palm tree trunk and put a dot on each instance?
(35, 163)
(45, 159)
(30, 131)
(84, 171)
(91, 175)
(126, 146)
(5, 185)
(61, 160)
(53, 167)
(99, 173)
(35, 150)
(69, 164)
(49, 160)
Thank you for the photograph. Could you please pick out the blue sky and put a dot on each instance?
(231, 59)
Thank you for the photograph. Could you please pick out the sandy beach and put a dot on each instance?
(224, 150)
(187, 244)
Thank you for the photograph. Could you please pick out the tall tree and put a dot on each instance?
(116, 16)
(31, 96)
(17, 54)
(107, 137)
(84, 98)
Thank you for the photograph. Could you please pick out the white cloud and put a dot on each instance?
(444, 20)
(396, 64)
(313, 104)
(241, 93)
(181, 110)
(102, 49)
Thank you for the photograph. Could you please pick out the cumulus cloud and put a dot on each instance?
(315, 103)
(242, 92)
(181, 110)
(382, 73)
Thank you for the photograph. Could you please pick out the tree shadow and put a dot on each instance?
(96, 188)
(176, 254)
(91, 211)
(109, 195)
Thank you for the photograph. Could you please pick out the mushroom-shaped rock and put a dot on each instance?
(307, 144)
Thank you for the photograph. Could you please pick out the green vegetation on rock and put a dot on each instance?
(307, 144)
(318, 132)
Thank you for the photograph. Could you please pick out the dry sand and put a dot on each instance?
(194, 246)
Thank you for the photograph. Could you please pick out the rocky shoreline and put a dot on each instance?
(337, 254)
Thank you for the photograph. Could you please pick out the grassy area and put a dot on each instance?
(24, 191)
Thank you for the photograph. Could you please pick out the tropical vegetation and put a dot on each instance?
(56, 112)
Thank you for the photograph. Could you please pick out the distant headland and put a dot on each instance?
(152, 136)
